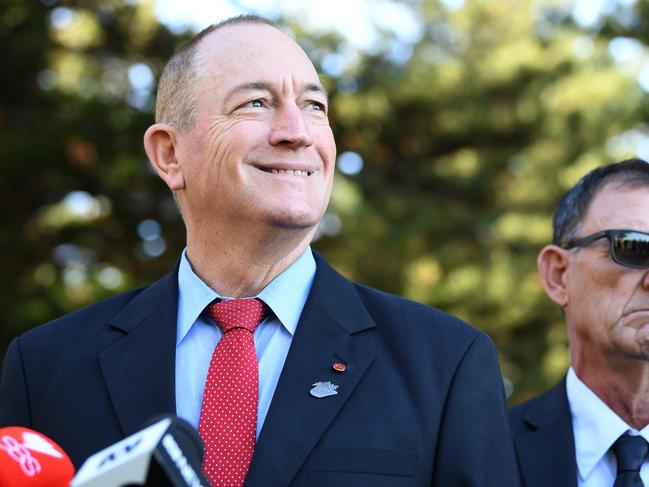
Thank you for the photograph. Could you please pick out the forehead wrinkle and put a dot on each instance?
(268, 86)
(250, 86)
(309, 87)
(316, 88)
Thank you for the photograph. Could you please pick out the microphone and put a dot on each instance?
(30, 459)
(168, 453)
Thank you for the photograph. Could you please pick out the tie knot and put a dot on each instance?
(630, 452)
(238, 313)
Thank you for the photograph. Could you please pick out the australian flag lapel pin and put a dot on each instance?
(323, 389)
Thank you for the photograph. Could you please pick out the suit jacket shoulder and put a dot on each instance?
(85, 321)
(543, 438)
(425, 335)
(395, 315)
(97, 374)
(381, 303)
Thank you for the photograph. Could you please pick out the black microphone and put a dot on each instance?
(168, 453)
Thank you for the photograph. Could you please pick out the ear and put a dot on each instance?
(160, 144)
(552, 263)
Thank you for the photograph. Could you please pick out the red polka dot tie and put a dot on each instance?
(229, 412)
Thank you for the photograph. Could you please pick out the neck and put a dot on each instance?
(238, 267)
(623, 389)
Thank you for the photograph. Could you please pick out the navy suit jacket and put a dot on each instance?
(544, 440)
(421, 401)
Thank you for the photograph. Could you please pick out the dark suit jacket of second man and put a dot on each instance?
(543, 438)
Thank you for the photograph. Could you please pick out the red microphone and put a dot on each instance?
(30, 459)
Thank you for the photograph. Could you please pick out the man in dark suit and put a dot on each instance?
(356, 387)
(592, 428)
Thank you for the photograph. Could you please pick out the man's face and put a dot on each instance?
(607, 309)
(261, 150)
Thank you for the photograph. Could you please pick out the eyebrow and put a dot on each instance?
(266, 86)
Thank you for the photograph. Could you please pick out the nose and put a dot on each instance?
(289, 128)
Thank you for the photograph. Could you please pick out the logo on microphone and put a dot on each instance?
(22, 452)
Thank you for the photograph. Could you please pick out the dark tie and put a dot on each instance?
(630, 452)
(229, 411)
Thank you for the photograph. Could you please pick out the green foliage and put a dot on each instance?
(467, 146)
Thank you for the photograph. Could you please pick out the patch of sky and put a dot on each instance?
(350, 163)
(61, 17)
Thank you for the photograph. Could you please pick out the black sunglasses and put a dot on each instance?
(629, 248)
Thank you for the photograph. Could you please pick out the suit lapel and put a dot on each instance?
(139, 370)
(296, 420)
(549, 450)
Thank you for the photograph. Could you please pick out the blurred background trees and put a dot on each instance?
(459, 124)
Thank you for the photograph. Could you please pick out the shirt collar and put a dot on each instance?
(595, 425)
(288, 292)
(285, 295)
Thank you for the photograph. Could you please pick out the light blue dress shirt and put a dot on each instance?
(596, 427)
(197, 335)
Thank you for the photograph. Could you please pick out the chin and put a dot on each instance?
(294, 224)
(295, 220)
(634, 344)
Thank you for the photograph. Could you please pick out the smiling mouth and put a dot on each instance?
(287, 172)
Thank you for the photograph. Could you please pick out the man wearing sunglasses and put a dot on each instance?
(592, 428)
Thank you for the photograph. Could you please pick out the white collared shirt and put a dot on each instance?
(596, 427)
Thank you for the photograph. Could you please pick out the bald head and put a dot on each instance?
(176, 96)
(258, 148)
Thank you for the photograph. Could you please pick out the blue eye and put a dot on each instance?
(316, 105)
(256, 103)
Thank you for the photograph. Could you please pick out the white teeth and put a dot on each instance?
(290, 172)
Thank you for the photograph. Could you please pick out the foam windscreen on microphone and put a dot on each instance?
(168, 453)
(30, 459)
